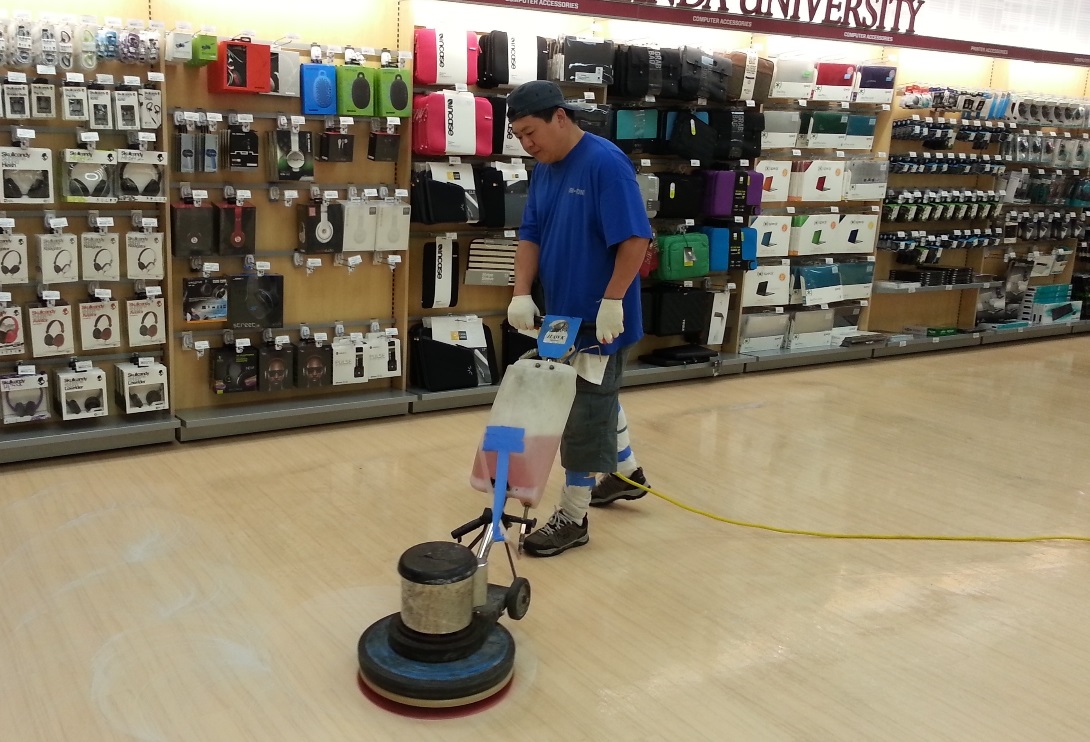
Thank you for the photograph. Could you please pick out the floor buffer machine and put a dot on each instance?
(446, 647)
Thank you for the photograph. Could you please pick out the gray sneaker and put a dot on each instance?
(558, 535)
(613, 488)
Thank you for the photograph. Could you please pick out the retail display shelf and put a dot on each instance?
(922, 345)
(639, 373)
(1080, 327)
(425, 401)
(770, 360)
(216, 422)
(880, 288)
(101, 434)
(1025, 333)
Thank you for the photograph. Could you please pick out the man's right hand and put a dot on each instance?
(521, 312)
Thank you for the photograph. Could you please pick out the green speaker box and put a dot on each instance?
(356, 90)
(394, 92)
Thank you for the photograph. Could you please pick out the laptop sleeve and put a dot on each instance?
(452, 123)
(445, 57)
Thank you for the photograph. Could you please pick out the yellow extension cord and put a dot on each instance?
(857, 536)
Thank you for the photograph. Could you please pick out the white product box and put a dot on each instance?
(89, 176)
(767, 286)
(127, 110)
(781, 130)
(773, 235)
(360, 226)
(717, 325)
(814, 234)
(841, 91)
(349, 361)
(141, 388)
(27, 175)
(817, 180)
(74, 104)
(151, 108)
(100, 108)
(144, 253)
(793, 78)
(803, 340)
(147, 322)
(859, 233)
(1059, 313)
(13, 259)
(82, 394)
(383, 356)
(12, 339)
(51, 331)
(100, 256)
(811, 296)
(26, 398)
(141, 175)
(58, 258)
(763, 331)
(777, 179)
(866, 180)
(100, 326)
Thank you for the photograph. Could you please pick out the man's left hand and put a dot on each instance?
(610, 321)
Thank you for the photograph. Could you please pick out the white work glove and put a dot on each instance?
(521, 312)
(610, 321)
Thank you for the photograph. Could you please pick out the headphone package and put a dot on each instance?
(360, 226)
(321, 227)
(255, 302)
(74, 103)
(241, 66)
(13, 259)
(82, 394)
(99, 325)
(151, 108)
(318, 88)
(147, 322)
(393, 226)
(58, 258)
(233, 370)
(313, 365)
(141, 388)
(100, 108)
(89, 176)
(12, 342)
(27, 175)
(284, 72)
(51, 331)
(26, 398)
(16, 100)
(293, 155)
(237, 228)
(100, 256)
(193, 230)
(275, 368)
(140, 177)
(43, 100)
(336, 147)
(204, 299)
(127, 109)
(349, 361)
(144, 253)
(242, 147)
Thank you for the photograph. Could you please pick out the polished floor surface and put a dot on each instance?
(216, 591)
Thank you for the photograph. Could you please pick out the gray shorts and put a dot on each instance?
(590, 437)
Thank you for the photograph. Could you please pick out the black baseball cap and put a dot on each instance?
(534, 96)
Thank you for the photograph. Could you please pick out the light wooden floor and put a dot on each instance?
(216, 591)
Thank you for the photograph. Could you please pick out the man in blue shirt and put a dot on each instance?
(584, 234)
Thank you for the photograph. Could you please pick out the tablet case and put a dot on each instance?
(452, 123)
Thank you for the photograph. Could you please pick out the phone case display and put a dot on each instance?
(241, 66)
(144, 255)
(204, 299)
(452, 123)
(237, 228)
(355, 90)
(89, 176)
(27, 174)
(321, 227)
(141, 175)
(284, 67)
(394, 93)
(292, 155)
(82, 394)
(147, 321)
(349, 361)
(234, 370)
(275, 367)
(255, 302)
(194, 230)
(26, 398)
(51, 331)
(141, 388)
(12, 340)
(13, 259)
(318, 87)
(58, 258)
(100, 326)
(445, 56)
(313, 365)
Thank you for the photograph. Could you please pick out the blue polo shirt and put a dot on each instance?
(578, 211)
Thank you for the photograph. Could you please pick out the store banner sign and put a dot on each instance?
(885, 15)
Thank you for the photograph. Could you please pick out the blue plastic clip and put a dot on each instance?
(504, 441)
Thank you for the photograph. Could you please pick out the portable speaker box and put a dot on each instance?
(100, 325)
(255, 302)
(452, 123)
(394, 92)
(445, 56)
(318, 89)
(82, 394)
(236, 228)
(204, 299)
(241, 66)
(321, 227)
(12, 340)
(52, 331)
(234, 371)
(356, 90)
(349, 361)
(147, 321)
(275, 367)
(26, 398)
(193, 230)
(313, 365)
(141, 388)
(89, 176)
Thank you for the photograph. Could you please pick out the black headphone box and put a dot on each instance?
(25, 398)
(147, 321)
(144, 253)
(82, 394)
(334, 147)
(321, 227)
(255, 302)
(140, 175)
(234, 370)
(51, 331)
(237, 228)
(242, 148)
(382, 146)
(99, 325)
(13, 259)
(193, 230)
(313, 365)
(27, 175)
(275, 368)
(58, 258)
(12, 340)
(204, 299)
(141, 388)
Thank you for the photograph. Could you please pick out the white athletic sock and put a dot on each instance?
(575, 497)
(626, 460)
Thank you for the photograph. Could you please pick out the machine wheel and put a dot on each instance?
(518, 598)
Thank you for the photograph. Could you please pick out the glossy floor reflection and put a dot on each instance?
(215, 591)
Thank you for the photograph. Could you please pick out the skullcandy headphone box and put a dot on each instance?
(74, 104)
(100, 256)
(234, 370)
(82, 394)
(99, 325)
(255, 302)
(127, 109)
(16, 100)
(43, 100)
(51, 331)
(151, 108)
(141, 388)
(27, 175)
(13, 259)
(12, 341)
(89, 176)
(58, 258)
(147, 322)
(25, 397)
(144, 251)
(349, 361)
(204, 299)
(100, 108)
(140, 175)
